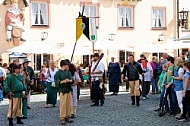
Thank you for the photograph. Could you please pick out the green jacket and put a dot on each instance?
(31, 72)
(19, 85)
(62, 75)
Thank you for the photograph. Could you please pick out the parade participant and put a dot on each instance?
(77, 80)
(15, 89)
(63, 83)
(24, 98)
(148, 74)
(14, 18)
(30, 76)
(79, 71)
(186, 94)
(51, 91)
(133, 69)
(97, 71)
(114, 74)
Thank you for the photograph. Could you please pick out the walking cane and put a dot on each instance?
(12, 89)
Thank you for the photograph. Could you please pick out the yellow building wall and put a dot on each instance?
(62, 24)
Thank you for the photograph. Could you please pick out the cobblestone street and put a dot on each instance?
(117, 111)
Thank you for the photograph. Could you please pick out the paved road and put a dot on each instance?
(117, 111)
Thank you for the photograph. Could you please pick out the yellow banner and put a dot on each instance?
(79, 30)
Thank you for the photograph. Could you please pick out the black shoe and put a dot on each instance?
(10, 121)
(72, 116)
(133, 100)
(95, 104)
(172, 113)
(23, 117)
(19, 120)
(68, 120)
(102, 103)
(156, 110)
(137, 100)
(28, 107)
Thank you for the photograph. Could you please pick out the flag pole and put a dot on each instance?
(73, 51)
(93, 47)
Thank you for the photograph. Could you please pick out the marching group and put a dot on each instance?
(169, 77)
(19, 79)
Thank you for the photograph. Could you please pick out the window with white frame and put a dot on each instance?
(39, 15)
(125, 17)
(158, 18)
(91, 10)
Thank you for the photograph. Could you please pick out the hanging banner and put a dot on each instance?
(93, 31)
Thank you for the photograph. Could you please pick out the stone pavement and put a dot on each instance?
(117, 111)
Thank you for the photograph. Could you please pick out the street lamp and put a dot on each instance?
(184, 16)
(44, 35)
(112, 36)
(161, 37)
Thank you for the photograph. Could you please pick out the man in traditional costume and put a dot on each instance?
(15, 88)
(14, 18)
(97, 71)
(63, 83)
(30, 77)
(133, 69)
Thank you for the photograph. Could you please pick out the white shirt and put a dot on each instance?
(52, 73)
(2, 72)
(148, 69)
(181, 70)
(100, 67)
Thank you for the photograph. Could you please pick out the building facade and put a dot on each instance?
(133, 22)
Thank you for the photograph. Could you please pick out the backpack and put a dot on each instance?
(158, 69)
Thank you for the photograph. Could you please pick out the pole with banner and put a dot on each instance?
(93, 32)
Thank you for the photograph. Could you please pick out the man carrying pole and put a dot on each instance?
(15, 89)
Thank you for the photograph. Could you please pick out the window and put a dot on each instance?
(39, 11)
(158, 18)
(91, 10)
(126, 17)
(40, 59)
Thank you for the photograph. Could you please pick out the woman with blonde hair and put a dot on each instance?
(178, 81)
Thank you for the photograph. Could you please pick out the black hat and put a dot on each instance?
(13, 66)
(142, 55)
(63, 63)
(96, 55)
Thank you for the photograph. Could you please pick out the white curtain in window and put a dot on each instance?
(86, 11)
(161, 18)
(121, 17)
(128, 18)
(154, 18)
(34, 13)
(43, 15)
(93, 14)
(92, 11)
